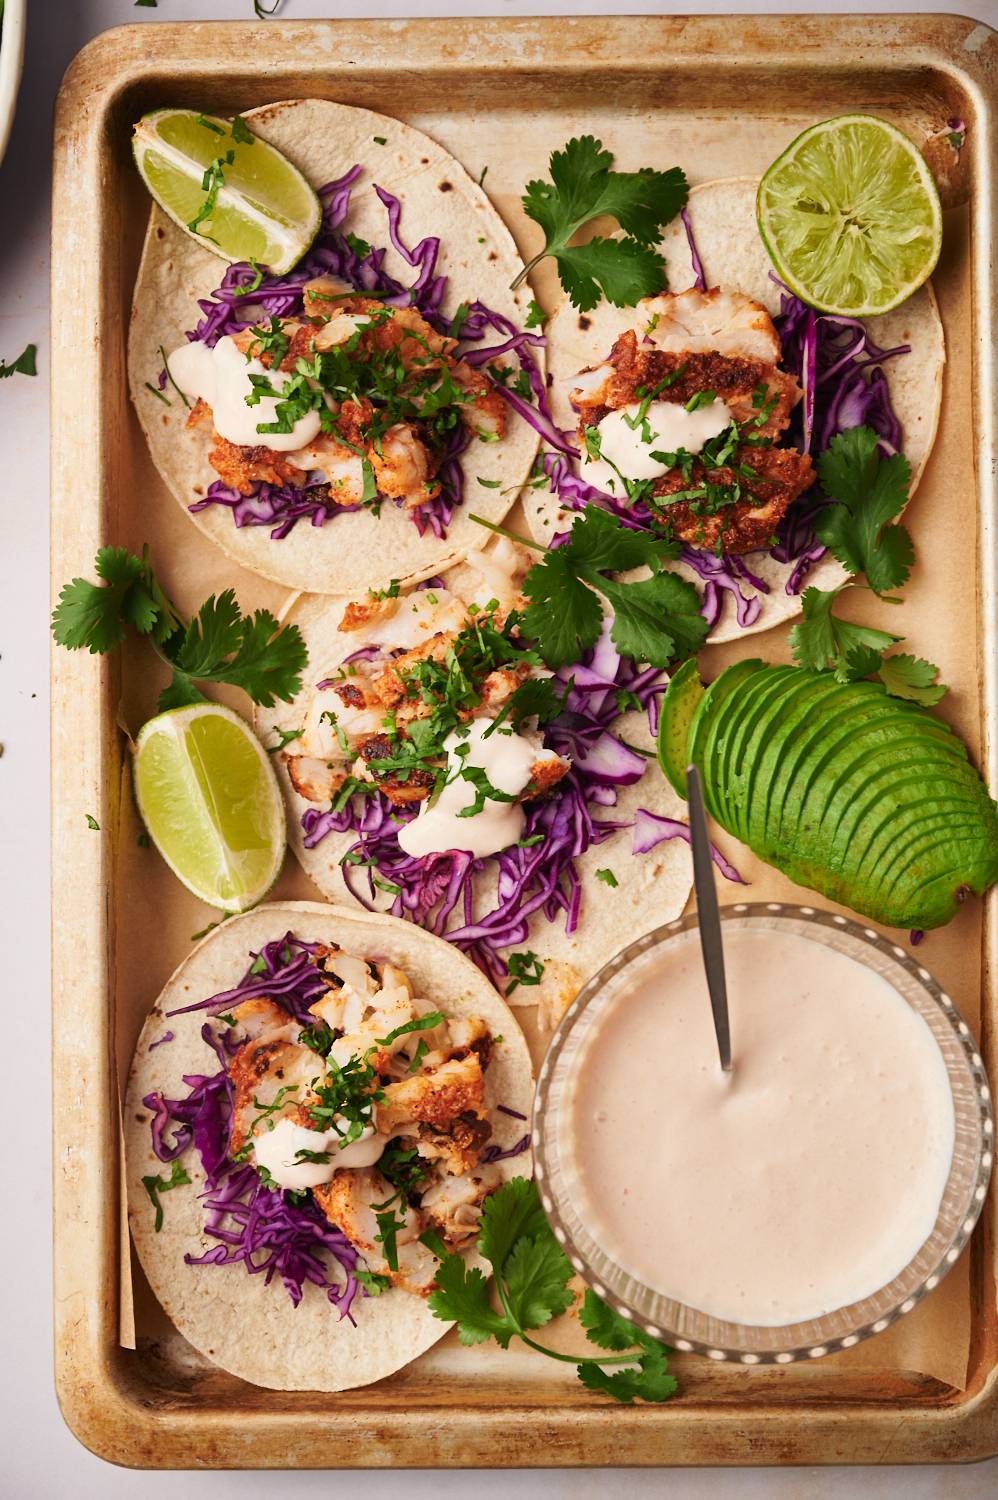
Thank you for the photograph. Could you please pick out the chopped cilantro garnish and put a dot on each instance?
(524, 968)
(154, 1186)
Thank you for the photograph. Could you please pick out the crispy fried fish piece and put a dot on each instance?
(781, 475)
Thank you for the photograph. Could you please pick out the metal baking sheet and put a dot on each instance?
(717, 97)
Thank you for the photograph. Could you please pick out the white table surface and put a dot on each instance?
(38, 1456)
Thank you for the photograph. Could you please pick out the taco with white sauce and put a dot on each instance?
(326, 427)
(327, 1097)
(701, 411)
(436, 767)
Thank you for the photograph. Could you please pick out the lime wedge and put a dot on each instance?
(263, 209)
(850, 216)
(209, 797)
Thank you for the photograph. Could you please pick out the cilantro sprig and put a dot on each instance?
(583, 188)
(822, 642)
(655, 619)
(868, 491)
(220, 644)
(532, 1274)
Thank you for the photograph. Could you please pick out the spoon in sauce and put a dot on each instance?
(708, 916)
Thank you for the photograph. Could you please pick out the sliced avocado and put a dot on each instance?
(789, 742)
(734, 722)
(868, 799)
(769, 722)
(872, 807)
(859, 724)
(682, 696)
(701, 722)
(865, 792)
(835, 792)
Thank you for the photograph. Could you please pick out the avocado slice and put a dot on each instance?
(832, 785)
(770, 725)
(702, 721)
(789, 745)
(678, 706)
(872, 808)
(862, 723)
(735, 721)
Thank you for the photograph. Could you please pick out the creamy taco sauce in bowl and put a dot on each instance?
(802, 1181)
(806, 1198)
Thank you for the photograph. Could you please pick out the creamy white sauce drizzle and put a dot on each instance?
(275, 1150)
(667, 427)
(220, 377)
(506, 758)
(803, 1181)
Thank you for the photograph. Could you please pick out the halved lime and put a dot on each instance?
(850, 216)
(263, 209)
(209, 797)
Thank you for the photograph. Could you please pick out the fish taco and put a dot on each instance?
(326, 427)
(436, 766)
(328, 1097)
(702, 411)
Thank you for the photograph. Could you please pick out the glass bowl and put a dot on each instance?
(688, 1328)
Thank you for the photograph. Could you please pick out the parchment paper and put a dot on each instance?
(156, 917)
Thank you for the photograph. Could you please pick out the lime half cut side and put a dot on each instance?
(850, 216)
(209, 798)
(264, 209)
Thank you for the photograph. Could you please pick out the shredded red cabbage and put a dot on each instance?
(166, 1037)
(438, 891)
(650, 830)
(496, 1153)
(265, 1229)
(232, 307)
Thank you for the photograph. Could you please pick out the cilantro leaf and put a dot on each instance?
(583, 187)
(564, 616)
(597, 538)
(95, 616)
(607, 1328)
(870, 491)
(252, 652)
(911, 677)
(650, 1381)
(24, 364)
(622, 271)
(532, 1275)
(156, 1185)
(535, 315)
(512, 1213)
(537, 1273)
(656, 619)
(821, 641)
(462, 1297)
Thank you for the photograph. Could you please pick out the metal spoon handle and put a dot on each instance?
(708, 916)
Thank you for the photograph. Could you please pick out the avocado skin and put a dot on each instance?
(682, 696)
(870, 800)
